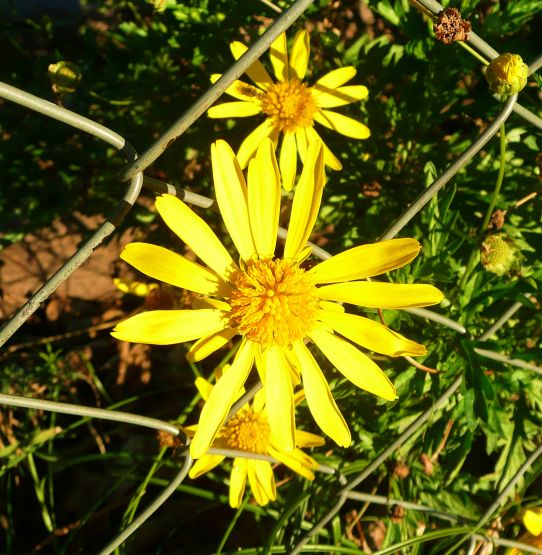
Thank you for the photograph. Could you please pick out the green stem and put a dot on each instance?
(500, 178)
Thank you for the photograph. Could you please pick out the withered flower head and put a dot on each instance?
(450, 26)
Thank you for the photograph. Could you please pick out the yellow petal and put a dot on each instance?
(331, 98)
(306, 204)
(208, 345)
(373, 294)
(264, 199)
(330, 159)
(288, 160)
(353, 364)
(279, 398)
(240, 89)
(256, 71)
(319, 398)
(170, 267)
(302, 140)
(262, 481)
(195, 233)
(532, 519)
(296, 460)
(238, 479)
(231, 196)
(366, 261)
(253, 140)
(370, 334)
(239, 109)
(299, 56)
(306, 439)
(203, 465)
(224, 393)
(336, 78)
(167, 327)
(342, 124)
(279, 57)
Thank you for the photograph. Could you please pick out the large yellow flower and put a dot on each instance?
(248, 430)
(274, 304)
(291, 107)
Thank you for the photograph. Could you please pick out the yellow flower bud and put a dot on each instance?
(507, 74)
(498, 254)
(65, 77)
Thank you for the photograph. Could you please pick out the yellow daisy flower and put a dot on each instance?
(291, 107)
(274, 304)
(249, 430)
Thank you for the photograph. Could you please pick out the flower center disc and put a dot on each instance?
(273, 302)
(247, 431)
(290, 104)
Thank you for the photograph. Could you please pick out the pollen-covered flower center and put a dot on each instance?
(273, 302)
(247, 431)
(289, 104)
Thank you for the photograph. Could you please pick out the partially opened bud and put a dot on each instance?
(507, 74)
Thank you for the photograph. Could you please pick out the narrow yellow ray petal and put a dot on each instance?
(297, 461)
(532, 519)
(239, 89)
(187, 225)
(252, 141)
(342, 124)
(306, 439)
(208, 345)
(319, 398)
(279, 57)
(302, 140)
(170, 267)
(225, 391)
(330, 159)
(373, 294)
(299, 55)
(331, 98)
(264, 199)
(370, 334)
(203, 465)
(288, 160)
(167, 327)
(353, 364)
(279, 398)
(262, 481)
(231, 196)
(239, 109)
(336, 78)
(256, 71)
(306, 204)
(366, 261)
(238, 480)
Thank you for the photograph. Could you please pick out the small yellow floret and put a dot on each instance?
(247, 431)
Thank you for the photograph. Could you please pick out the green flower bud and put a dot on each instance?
(498, 254)
(507, 74)
(65, 77)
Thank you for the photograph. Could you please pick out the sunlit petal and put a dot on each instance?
(231, 195)
(256, 71)
(366, 261)
(167, 327)
(239, 89)
(532, 519)
(203, 465)
(319, 398)
(170, 267)
(264, 199)
(336, 78)
(331, 98)
(353, 364)
(342, 124)
(187, 225)
(373, 294)
(208, 345)
(330, 159)
(279, 57)
(238, 480)
(288, 160)
(224, 393)
(279, 398)
(296, 460)
(240, 109)
(370, 334)
(299, 56)
(306, 439)
(252, 141)
(262, 481)
(307, 198)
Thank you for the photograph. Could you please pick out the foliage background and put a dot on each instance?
(75, 483)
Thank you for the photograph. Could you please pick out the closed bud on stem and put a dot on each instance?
(507, 74)
(498, 254)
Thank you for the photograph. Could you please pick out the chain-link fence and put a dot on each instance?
(133, 173)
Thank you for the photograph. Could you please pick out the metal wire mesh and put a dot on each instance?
(134, 173)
